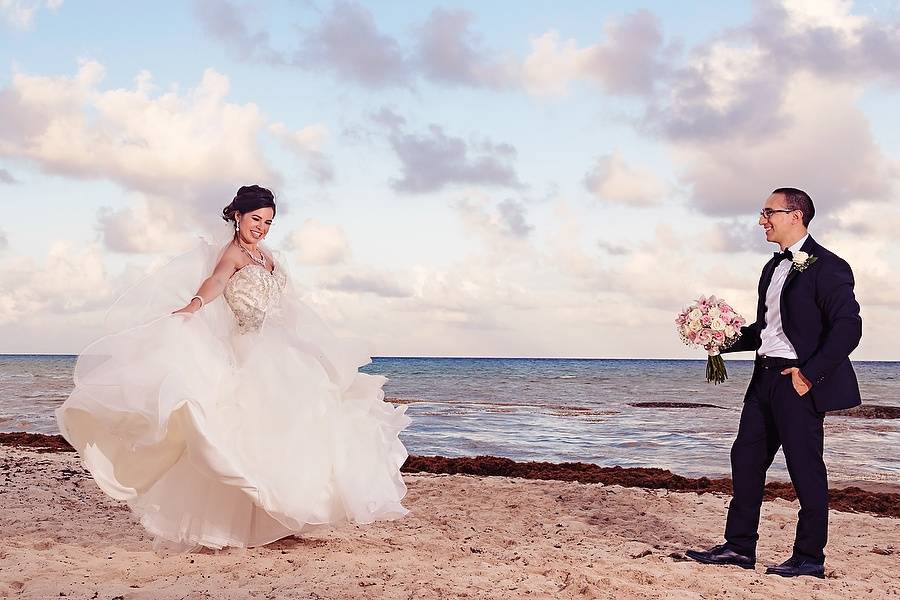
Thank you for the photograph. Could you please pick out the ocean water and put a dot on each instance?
(553, 409)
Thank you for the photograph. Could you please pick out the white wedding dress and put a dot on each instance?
(236, 426)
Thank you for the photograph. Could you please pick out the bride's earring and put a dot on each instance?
(237, 226)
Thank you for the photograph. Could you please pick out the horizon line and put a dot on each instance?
(461, 357)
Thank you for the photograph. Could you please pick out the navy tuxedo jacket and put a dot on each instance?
(820, 317)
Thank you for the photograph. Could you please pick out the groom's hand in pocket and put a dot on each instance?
(800, 383)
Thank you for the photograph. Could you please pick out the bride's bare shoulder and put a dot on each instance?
(231, 258)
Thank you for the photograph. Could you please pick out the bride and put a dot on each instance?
(233, 423)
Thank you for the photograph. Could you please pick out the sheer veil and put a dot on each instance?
(170, 286)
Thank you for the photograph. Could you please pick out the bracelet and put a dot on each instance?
(198, 298)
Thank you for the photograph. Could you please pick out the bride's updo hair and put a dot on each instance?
(248, 199)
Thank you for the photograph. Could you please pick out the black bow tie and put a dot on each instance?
(780, 256)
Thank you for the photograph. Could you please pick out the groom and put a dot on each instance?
(807, 323)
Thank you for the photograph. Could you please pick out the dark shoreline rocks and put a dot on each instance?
(37, 442)
(847, 499)
(675, 405)
(864, 411)
(869, 411)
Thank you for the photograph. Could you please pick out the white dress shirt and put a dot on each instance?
(774, 341)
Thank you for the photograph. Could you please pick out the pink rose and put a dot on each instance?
(704, 336)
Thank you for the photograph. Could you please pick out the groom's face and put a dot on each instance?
(779, 226)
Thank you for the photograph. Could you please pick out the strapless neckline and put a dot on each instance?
(253, 264)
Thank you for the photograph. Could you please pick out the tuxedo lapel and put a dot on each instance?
(792, 274)
(768, 271)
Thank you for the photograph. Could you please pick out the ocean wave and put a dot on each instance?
(28, 376)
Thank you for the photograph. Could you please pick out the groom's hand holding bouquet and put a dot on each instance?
(712, 324)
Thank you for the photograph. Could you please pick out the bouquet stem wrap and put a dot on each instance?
(715, 370)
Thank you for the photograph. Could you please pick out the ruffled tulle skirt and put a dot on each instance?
(233, 440)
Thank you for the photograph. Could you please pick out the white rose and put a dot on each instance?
(695, 325)
(729, 331)
(800, 257)
(717, 324)
(714, 312)
(695, 314)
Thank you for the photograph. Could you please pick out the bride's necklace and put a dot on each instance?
(261, 261)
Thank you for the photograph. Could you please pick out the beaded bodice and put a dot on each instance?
(250, 292)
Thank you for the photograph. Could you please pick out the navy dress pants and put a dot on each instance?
(774, 416)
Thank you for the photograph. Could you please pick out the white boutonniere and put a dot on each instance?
(801, 260)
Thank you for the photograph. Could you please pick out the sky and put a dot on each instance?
(456, 178)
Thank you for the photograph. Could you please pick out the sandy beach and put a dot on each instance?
(465, 537)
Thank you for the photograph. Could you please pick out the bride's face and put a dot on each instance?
(255, 225)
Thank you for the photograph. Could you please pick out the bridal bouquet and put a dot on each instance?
(712, 324)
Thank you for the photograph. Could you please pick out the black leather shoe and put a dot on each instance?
(795, 567)
(722, 555)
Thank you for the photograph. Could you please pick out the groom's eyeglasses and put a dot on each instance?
(768, 212)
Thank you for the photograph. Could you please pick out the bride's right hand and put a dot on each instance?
(190, 308)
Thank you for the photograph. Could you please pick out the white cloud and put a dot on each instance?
(434, 160)
(71, 280)
(827, 39)
(826, 148)
(228, 23)
(865, 233)
(614, 180)
(148, 225)
(776, 102)
(181, 154)
(7, 177)
(21, 13)
(836, 15)
(645, 286)
(726, 89)
(366, 280)
(447, 50)
(726, 69)
(506, 220)
(552, 64)
(469, 294)
(450, 52)
(308, 144)
(348, 42)
(628, 61)
(316, 243)
(732, 237)
(157, 144)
